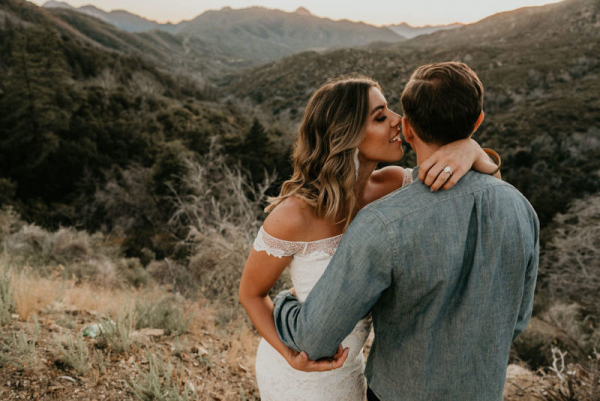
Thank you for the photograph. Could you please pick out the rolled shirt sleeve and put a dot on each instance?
(360, 270)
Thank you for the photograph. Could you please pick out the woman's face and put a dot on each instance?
(382, 141)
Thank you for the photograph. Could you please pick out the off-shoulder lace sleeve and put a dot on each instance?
(275, 246)
(280, 248)
(407, 176)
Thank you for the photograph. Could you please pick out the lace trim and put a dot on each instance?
(407, 176)
(280, 248)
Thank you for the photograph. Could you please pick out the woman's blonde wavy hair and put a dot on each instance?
(332, 128)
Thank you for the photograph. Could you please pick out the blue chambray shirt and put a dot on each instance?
(449, 277)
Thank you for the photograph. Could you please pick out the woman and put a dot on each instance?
(346, 131)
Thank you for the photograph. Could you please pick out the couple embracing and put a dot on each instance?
(440, 260)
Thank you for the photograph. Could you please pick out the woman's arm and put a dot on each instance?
(260, 273)
(460, 156)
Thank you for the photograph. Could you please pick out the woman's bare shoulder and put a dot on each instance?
(383, 182)
(289, 220)
(388, 178)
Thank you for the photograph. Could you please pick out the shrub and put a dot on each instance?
(18, 350)
(560, 325)
(570, 263)
(161, 381)
(218, 213)
(10, 222)
(73, 253)
(116, 334)
(166, 313)
(74, 356)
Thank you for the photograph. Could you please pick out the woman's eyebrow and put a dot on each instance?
(377, 109)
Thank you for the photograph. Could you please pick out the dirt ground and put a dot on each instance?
(215, 357)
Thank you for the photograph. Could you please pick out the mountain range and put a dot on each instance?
(410, 32)
(134, 23)
(122, 19)
(246, 36)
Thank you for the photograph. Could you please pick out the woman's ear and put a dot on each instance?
(479, 120)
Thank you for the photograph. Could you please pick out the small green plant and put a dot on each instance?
(74, 356)
(18, 350)
(116, 334)
(161, 381)
(167, 314)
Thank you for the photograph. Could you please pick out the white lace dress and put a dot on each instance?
(277, 380)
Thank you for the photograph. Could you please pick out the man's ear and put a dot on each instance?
(407, 130)
(479, 121)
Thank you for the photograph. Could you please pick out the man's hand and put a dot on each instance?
(300, 361)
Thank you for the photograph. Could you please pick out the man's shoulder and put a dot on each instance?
(416, 197)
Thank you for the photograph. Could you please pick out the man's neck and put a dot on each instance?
(424, 151)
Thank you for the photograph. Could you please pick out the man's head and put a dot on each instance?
(443, 102)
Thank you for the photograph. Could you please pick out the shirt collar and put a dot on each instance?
(415, 173)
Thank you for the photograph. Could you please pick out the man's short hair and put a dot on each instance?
(442, 102)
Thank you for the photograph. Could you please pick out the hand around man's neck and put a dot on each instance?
(423, 150)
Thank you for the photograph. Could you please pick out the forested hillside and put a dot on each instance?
(76, 115)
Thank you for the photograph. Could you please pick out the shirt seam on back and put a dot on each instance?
(372, 206)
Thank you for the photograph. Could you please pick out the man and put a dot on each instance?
(449, 276)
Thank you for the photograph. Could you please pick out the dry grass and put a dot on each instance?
(242, 349)
(103, 300)
(6, 299)
(33, 294)
(202, 320)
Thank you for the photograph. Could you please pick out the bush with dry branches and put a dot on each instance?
(570, 263)
(571, 381)
(218, 213)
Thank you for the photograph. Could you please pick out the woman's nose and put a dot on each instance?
(396, 119)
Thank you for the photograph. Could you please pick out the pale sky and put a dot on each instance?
(375, 12)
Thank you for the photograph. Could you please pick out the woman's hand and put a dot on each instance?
(300, 361)
(460, 156)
